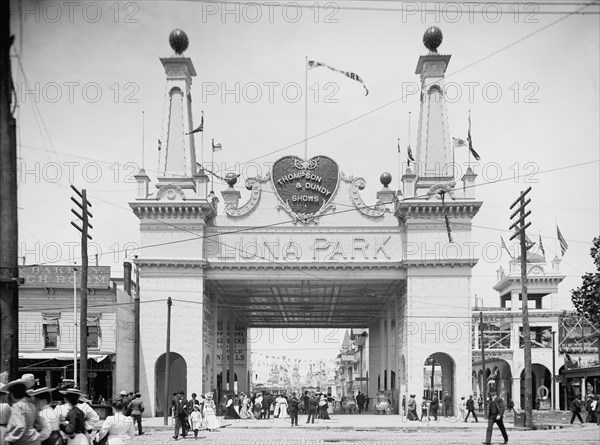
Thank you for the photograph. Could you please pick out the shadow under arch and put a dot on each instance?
(177, 378)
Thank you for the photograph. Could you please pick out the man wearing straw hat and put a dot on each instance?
(25, 425)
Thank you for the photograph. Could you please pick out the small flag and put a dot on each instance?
(529, 244)
(542, 247)
(216, 147)
(563, 243)
(200, 127)
(503, 246)
(159, 144)
(398, 145)
(353, 76)
(459, 142)
(410, 155)
(473, 152)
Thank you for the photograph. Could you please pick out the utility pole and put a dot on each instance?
(520, 225)
(554, 392)
(85, 214)
(9, 267)
(136, 340)
(484, 382)
(167, 362)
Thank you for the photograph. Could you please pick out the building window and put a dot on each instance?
(94, 333)
(51, 330)
(92, 337)
(50, 336)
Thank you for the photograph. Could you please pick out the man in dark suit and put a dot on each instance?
(434, 406)
(180, 413)
(471, 409)
(495, 415)
(266, 404)
(312, 408)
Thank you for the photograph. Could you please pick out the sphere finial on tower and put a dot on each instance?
(433, 38)
(179, 41)
(385, 179)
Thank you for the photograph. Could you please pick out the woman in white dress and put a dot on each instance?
(283, 407)
(119, 427)
(210, 412)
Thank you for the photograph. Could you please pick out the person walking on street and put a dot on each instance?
(179, 406)
(267, 401)
(137, 408)
(360, 402)
(434, 407)
(293, 409)
(312, 409)
(576, 409)
(495, 415)
(471, 409)
(447, 405)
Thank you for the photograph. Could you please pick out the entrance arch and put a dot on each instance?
(438, 378)
(177, 378)
(540, 377)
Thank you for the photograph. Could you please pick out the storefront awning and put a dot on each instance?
(58, 356)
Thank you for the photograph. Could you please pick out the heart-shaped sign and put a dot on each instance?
(305, 187)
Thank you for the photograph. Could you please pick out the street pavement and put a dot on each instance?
(367, 429)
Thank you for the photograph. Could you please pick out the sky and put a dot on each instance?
(90, 91)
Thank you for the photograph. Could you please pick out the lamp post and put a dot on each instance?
(554, 392)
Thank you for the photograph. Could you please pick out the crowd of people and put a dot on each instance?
(63, 416)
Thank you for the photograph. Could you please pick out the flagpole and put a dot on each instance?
(305, 107)
(407, 154)
(399, 164)
(202, 141)
(469, 148)
(212, 159)
(143, 142)
(557, 241)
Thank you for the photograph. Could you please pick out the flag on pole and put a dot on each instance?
(503, 246)
(398, 145)
(528, 242)
(216, 147)
(459, 142)
(542, 247)
(470, 141)
(159, 144)
(200, 127)
(353, 76)
(410, 155)
(563, 243)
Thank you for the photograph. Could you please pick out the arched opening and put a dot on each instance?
(177, 378)
(226, 387)
(541, 387)
(438, 379)
(387, 386)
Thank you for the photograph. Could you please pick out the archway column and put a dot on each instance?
(516, 391)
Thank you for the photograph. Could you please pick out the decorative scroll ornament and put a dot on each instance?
(170, 192)
(254, 185)
(442, 187)
(374, 211)
(305, 188)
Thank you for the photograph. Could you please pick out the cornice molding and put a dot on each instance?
(506, 282)
(470, 262)
(171, 263)
(455, 209)
(176, 210)
(303, 266)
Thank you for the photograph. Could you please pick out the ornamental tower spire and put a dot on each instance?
(177, 159)
(434, 158)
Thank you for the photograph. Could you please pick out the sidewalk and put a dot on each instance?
(361, 422)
